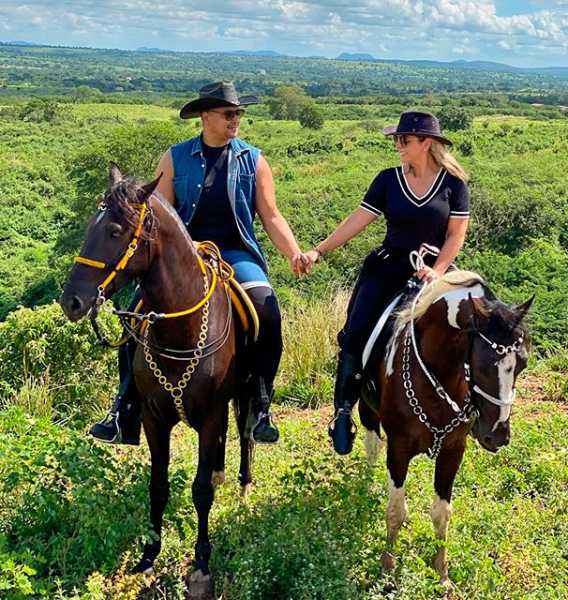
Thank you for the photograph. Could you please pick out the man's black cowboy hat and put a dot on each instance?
(418, 123)
(215, 95)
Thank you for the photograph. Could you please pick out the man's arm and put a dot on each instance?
(273, 222)
(166, 185)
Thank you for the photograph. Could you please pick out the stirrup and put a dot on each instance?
(338, 413)
(269, 425)
(109, 421)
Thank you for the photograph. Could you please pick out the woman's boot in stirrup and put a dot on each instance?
(342, 428)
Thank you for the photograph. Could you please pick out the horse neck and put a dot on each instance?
(438, 341)
(174, 280)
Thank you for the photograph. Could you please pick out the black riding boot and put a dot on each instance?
(122, 423)
(264, 431)
(342, 429)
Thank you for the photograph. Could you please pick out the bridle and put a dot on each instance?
(469, 411)
(140, 332)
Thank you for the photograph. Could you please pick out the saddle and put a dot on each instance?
(242, 306)
(383, 330)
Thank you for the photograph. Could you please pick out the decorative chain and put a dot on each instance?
(177, 391)
(439, 433)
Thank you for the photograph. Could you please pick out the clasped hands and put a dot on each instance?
(302, 262)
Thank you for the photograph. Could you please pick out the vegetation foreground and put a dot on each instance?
(313, 525)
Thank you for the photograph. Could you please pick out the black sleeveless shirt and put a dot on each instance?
(213, 218)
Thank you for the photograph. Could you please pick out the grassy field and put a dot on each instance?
(74, 517)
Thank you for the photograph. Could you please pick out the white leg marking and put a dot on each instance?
(396, 510)
(217, 478)
(441, 512)
(373, 445)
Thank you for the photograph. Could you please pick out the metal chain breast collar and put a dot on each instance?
(176, 391)
(439, 433)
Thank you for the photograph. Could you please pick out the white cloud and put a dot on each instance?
(414, 28)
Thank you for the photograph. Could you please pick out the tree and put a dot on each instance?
(287, 101)
(453, 119)
(311, 116)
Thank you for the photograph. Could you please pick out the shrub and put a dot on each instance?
(311, 117)
(454, 119)
(40, 348)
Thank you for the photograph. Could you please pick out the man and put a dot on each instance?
(217, 183)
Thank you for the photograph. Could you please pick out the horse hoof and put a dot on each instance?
(387, 560)
(217, 478)
(144, 567)
(200, 586)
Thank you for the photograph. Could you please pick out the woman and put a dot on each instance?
(424, 201)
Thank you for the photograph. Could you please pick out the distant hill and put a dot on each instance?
(146, 49)
(265, 53)
(356, 56)
(19, 43)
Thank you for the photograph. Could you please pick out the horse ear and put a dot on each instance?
(114, 175)
(148, 188)
(473, 317)
(522, 310)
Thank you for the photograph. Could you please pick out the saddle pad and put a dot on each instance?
(244, 308)
(378, 328)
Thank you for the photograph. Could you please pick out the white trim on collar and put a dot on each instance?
(420, 200)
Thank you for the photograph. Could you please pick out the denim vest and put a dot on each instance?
(189, 173)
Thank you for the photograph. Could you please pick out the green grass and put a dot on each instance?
(313, 527)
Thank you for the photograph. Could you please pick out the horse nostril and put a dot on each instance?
(75, 305)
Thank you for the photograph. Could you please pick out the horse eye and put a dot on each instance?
(115, 230)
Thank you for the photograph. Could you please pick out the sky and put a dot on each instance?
(524, 33)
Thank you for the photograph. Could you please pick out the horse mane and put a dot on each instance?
(450, 281)
(123, 200)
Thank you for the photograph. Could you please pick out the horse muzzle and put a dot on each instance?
(491, 439)
(74, 305)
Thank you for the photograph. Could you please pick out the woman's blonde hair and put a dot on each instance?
(444, 159)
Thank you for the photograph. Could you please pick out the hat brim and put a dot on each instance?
(392, 130)
(197, 106)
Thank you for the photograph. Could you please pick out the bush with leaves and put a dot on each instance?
(310, 116)
(454, 119)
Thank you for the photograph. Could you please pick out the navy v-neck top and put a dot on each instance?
(413, 220)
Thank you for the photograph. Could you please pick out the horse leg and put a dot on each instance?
(396, 511)
(211, 431)
(372, 424)
(158, 436)
(243, 411)
(218, 476)
(447, 465)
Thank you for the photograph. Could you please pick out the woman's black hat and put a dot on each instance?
(418, 123)
(214, 95)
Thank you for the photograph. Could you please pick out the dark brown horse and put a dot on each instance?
(450, 368)
(135, 235)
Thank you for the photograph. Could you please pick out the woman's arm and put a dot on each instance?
(273, 222)
(455, 238)
(345, 231)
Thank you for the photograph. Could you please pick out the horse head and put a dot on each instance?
(108, 258)
(498, 351)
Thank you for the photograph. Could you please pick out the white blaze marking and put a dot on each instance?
(99, 217)
(456, 297)
(506, 376)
